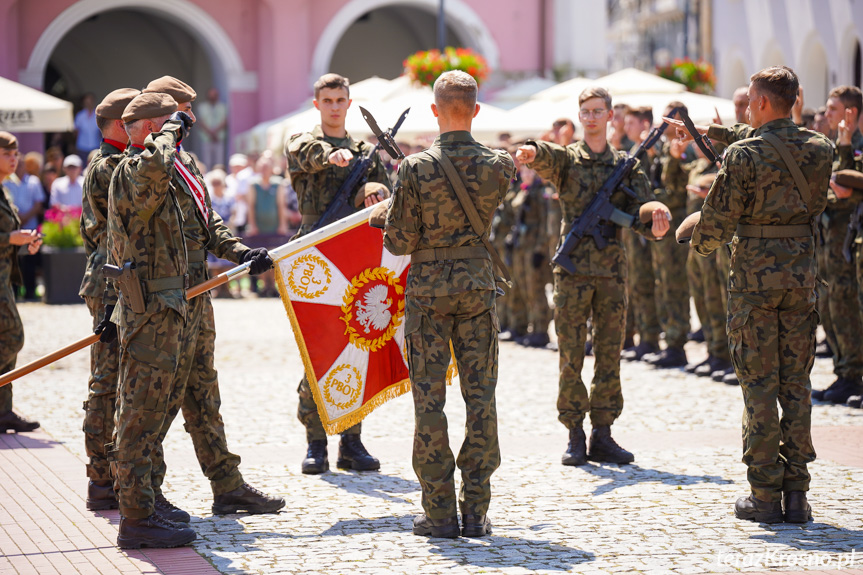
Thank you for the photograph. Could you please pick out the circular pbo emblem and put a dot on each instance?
(342, 386)
(309, 277)
(373, 306)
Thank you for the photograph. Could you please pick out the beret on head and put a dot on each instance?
(146, 106)
(8, 141)
(177, 89)
(114, 103)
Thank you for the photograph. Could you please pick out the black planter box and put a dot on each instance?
(63, 270)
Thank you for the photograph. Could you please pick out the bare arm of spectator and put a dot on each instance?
(251, 223)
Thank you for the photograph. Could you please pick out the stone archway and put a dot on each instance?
(814, 72)
(460, 18)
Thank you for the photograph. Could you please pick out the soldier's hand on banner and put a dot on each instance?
(107, 331)
(261, 260)
(340, 158)
(185, 121)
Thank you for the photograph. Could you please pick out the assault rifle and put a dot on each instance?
(341, 206)
(600, 211)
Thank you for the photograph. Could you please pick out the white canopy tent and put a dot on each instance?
(520, 92)
(23, 109)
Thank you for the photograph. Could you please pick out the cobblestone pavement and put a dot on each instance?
(670, 512)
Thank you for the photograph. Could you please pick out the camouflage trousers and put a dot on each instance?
(197, 395)
(307, 413)
(11, 340)
(642, 287)
(672, 290)
(533, 281)
(469, 321)
(576, 298)
(824, 294)
(101, 400)
(771, 336)
(146, 399)
(512, 309)
(712, 278)
(842, 291)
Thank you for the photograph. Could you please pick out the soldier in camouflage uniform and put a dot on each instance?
(766, 207)
(450, 299)
(104, 355)
(197, 385)
(318, 162)
(530, 254)
(11, 239)
(598, 286)
(145, 227)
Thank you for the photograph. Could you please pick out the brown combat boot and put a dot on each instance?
(753, 509)
(11, 421)
(246, 498)
(797, 509)
(169, 511)
(475, 525)
(101, 496)
(153, 531)
(604, 449)
(445, 528)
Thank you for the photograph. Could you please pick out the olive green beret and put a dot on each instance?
(177, 89)
(8, 141)
(146, 106)
(115, 103)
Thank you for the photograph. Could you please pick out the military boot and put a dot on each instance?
(694, 365)
(818, 394)
(855, 401)
(797, 509)
(475, 525)
(316, 458)
(823, 349)
(353, 455)
(604, 449)
(576, 451)
(852, 386)
(101, 496)
(446, 528)
(246, 498)
(638, 352)
(169, 511)
(11, 421)
(753, 509)
(669, 358)
(730, 378)
(153, 531)
(719, 374)
(696, 336)
(713, 364)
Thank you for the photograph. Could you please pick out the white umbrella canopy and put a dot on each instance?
(633, 81)
(23, 109)
(565, 90)
(520, 92)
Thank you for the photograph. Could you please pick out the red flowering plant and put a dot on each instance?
(61, 228)
(425, 66)
(697, 76)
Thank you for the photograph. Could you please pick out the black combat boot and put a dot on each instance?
(823, 349)
(797, 509)
(713, 364)
(353, 455)
(538, 340)
(753, 509)
(154, 531)
(697, 336)
(604, 449)
(694, 365)
(638, 352)
(576, 451)
(101, 496)
(730, 378)
(855, 401)
(852, 386)
(316, 458)
(169, 511)
(669, 358)
(446, 528)
(719, 374)
(11, 421)
(818, 394)
(475, 525)
(246, 498)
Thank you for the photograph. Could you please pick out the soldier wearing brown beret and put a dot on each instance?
(11, 239)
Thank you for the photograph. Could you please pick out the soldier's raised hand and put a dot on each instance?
(846, 128)
(186, 122)
(526, 154)
(340, 158)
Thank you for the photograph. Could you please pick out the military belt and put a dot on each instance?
(441, 254)
(310, 219)
(165, 284)
(197, 256)
(774, 231)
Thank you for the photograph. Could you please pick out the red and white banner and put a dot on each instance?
(344, 294)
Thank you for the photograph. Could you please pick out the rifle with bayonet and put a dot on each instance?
(702, 141)
(600, 211)
(341, 206)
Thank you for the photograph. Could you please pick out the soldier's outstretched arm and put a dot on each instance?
(308, 154)
(551, 162)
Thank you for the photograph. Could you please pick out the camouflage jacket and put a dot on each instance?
(94, 220)
(425, 213)
(9, 222)
(504, 216)
(314, 179)
(754, 186)
(210, 234)
(530, 206)
(578, 173)
(674, 179)
(145, 222)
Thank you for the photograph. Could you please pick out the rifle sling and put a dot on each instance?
(799, 178)
(468, 206)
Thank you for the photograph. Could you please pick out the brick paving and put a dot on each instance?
(670, 512)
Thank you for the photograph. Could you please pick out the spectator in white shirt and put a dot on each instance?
(67, 191)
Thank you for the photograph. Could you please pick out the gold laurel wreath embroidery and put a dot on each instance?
(302, 290)
(371, 274)
(331, 378)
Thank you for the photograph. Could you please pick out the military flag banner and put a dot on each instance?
(344, 294)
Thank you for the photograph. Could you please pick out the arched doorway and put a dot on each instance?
(377, 43)
(814, 74)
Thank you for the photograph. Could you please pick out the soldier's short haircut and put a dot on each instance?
(333, 82)
(779, 84)
(595, 92)
(624, 107)
(103, 123)
(678, 104)
(455, 91)
(850, 96)
(642, 113)
(561, 122)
